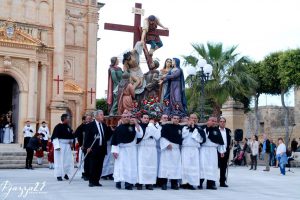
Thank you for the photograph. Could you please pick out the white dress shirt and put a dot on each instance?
(100, 129)
(224, 136)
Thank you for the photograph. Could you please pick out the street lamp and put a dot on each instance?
(202, 73)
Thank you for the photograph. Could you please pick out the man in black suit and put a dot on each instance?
(223, 161)
(97, 152)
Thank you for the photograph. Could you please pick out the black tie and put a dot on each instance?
(101, 131)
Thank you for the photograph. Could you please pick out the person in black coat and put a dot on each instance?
(223, 161)
(80, 135)
(32, 146)
(97, 152)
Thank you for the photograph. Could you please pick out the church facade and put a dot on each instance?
(48, 51)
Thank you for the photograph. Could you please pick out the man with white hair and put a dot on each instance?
(97, 133)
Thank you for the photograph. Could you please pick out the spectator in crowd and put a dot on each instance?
(281, 155)
(272, 153)
(254, 151)
(294, 145)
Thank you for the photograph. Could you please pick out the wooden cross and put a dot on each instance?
(136, 29)
(92, 92)
(58, 80)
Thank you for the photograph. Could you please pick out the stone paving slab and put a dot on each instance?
(243, 184)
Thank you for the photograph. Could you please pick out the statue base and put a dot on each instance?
(112, 121)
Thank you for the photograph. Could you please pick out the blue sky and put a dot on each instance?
(258, 27)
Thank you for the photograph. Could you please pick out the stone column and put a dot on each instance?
(59, 8)
(234, 113)
(32, 93)
(23, 103)
(43, 92)
(77, 113)
(91, 71)
(57, 106)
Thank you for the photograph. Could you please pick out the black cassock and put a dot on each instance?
(124, 133)
(172, 132)
(62, 131)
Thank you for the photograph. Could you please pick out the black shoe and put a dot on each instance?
(251, 168)
(118, 185)
(26, 167)
(128, 187)
(86, 178)
(184, 186)
(66, 177)
(200, 187)
(98, 184)
(174, 187)
(59, 178)
(149, 187)
(139, 186)
(164, 187)
(223, 185)
(190, 187)
(30, 167)
(111, 177)
(91, 185)
(213, 187)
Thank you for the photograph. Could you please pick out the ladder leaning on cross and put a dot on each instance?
(136, 30)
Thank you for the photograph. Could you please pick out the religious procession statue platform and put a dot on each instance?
(112, 121)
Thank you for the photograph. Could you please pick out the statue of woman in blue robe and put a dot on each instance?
(175, 93)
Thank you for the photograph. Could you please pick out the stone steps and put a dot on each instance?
(21, 166)
(12, 156)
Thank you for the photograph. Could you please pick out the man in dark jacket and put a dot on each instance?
(101, 133)
(266, 152)
(223, 161)
(80, 135)
(32, 146)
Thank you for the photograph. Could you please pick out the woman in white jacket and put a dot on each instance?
(254, 151)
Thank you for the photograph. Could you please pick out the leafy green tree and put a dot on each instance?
(229, 78)
(289, 74)
(101, 104)
(265, 74)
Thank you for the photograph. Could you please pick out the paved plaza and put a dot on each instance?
(244, 184)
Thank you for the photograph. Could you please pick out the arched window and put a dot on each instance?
(79, 37)
(30, 10)
(70, 32)
(44, 13)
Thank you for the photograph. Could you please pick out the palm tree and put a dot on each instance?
(229, 77)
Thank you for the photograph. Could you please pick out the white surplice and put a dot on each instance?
(147, 156)
(125, 168)
(63, 158)
(170, 160)
(108, 163)
(159, 127)
(209, 159)
(190, 156)
(45, 131)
